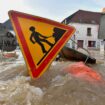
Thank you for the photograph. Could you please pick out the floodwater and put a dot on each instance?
(55, 87)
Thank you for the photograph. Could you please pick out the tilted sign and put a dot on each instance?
(40, 39)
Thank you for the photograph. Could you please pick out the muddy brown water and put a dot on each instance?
(55, 87)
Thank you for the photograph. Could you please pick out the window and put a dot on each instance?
(88, 31)
(91, 43)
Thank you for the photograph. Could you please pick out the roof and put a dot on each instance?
(8, 25)
(82, 16)
(2, 30)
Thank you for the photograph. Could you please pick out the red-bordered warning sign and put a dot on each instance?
(40, 39)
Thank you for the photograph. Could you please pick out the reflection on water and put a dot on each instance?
(55, 87)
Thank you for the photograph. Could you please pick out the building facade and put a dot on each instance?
(86, 24)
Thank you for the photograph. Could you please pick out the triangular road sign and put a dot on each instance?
(40, 39)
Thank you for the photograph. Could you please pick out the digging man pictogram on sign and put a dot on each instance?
(36, 36)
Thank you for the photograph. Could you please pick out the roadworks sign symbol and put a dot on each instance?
(40, 40)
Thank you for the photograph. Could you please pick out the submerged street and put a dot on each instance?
(55, 87)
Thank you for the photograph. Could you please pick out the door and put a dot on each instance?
(80, 43)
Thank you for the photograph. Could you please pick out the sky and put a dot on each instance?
(52, 9)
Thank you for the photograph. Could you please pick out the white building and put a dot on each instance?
(87, 27)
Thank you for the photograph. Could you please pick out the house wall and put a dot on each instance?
(81, 34)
